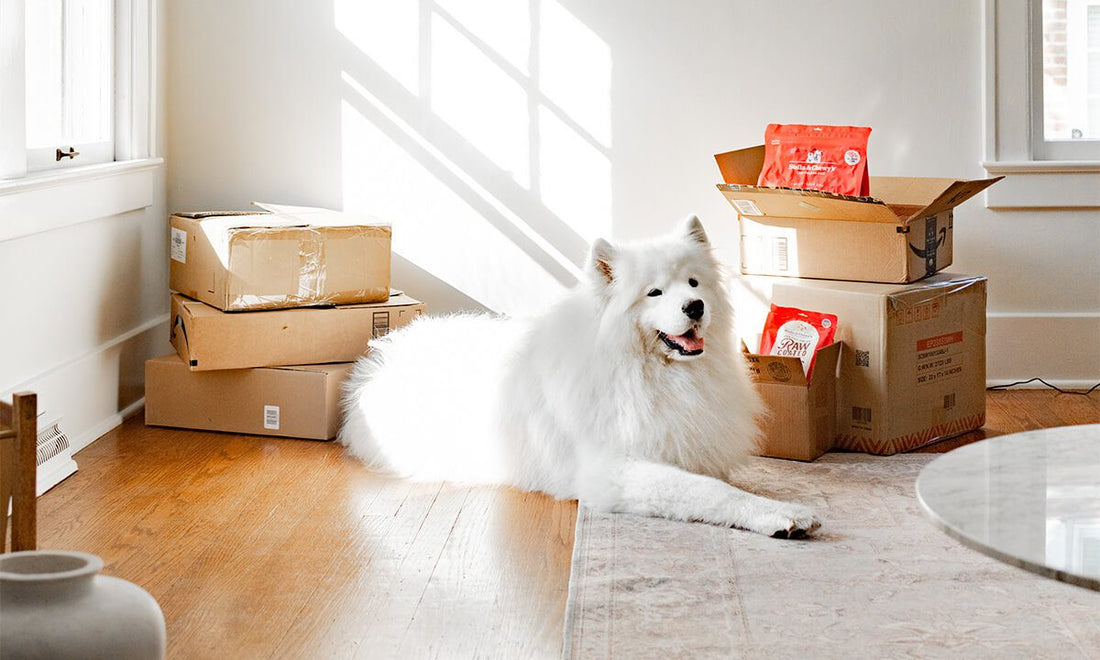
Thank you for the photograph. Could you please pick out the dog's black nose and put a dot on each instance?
(694, 309)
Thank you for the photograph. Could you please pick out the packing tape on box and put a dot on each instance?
(933, 291)
(311, 268)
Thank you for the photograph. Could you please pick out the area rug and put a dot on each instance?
(878, 580)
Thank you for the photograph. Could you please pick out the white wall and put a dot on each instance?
(85, 298)
(499, 137)
(85, 305)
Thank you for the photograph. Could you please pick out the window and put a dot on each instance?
(69, 53)
(74, 83)
(1065, 51)
(1040, 71)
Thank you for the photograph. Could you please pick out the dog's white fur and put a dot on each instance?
(583, 402)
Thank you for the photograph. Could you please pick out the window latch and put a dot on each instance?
(71, 153)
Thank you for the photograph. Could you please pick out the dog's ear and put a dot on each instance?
(601, 259)
(692, 229)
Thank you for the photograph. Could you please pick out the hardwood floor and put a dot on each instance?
(258, 548)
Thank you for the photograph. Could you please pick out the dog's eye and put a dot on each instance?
(653, 293)
(693, 282)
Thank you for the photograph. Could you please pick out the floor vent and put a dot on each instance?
(54, 456)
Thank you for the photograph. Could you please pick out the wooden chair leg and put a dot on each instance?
(8, 470)
(24, 501)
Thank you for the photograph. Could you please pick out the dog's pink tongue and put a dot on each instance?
(689, 343)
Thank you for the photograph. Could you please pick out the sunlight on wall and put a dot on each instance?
(434, 227)
(523, 87)
(575, 71)
(576, 178)
(503, 26)
(386, 32)
(574, 121)
(480, 101)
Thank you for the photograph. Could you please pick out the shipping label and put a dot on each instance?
(179, 245)
(271, 417)
(939, 358)
(746, 207)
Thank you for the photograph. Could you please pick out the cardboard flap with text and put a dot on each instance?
(783, 370)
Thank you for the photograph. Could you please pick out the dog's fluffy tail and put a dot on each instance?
(355, 433)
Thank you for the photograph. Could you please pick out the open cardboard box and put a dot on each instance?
(210, 339)
(280, 257)
(800, 422)
(901, 233)
(913, 367)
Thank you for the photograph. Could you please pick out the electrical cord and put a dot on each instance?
(1053, 387)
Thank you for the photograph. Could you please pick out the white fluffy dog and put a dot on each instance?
(608, 397)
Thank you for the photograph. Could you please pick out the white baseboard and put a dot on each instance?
(97, 430)
(95, 390)
(1061, 348)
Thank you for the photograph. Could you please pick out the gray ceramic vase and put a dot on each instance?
(54, 604)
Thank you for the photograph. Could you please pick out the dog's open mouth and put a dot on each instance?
(688, 343)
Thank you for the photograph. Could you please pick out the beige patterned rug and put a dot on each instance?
(877, 581)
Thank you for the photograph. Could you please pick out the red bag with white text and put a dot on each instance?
(831, 159)
(797, 333)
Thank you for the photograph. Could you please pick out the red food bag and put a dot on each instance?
(831, 159)
(797, 333)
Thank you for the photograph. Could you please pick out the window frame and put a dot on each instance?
(133, 124)
(1008, 73)
(1041, 148)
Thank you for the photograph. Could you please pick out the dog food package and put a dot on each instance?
(830, 159)
(793, 332)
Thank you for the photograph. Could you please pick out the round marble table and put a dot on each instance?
(1030, 499)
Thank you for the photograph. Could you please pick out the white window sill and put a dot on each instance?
(52, 200)
(1042, 166)
(1031, 184)
(60, 177)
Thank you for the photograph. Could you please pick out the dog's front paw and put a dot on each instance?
(788, 521)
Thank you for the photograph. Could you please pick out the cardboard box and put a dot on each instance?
(292, 402)
(913, 369)
(210, 339)
(282, 257)
(801, 418)
(901, 233)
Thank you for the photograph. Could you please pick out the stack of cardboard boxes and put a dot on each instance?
(269, 311)
(911, 368)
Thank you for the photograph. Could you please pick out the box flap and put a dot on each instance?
(775, 369)
(199, 215)
(784, 370)
(957, 193)
(279, 216)
(338, 368)
(742, 166)
(195, 308)
(311, 215)
(907, 190)
(811, 204)
(825, 362)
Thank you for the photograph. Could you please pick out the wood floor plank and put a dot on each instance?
(268, 548)
(369, 593)
(483, 599)
(256, 543)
